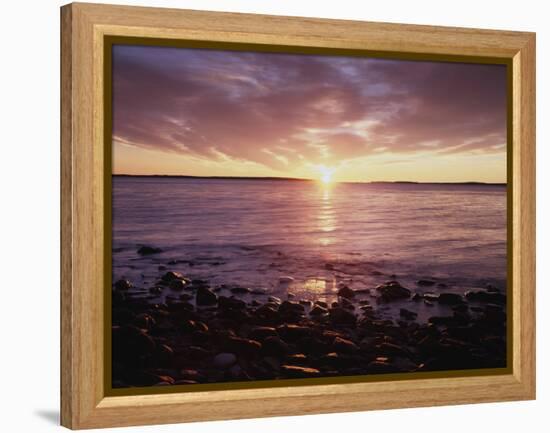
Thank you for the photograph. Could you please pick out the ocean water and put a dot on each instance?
(255, 233)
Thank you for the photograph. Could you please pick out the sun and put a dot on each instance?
(326, 174)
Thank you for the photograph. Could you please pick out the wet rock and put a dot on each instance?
(171, 276)
(416, 297)
(391, 349)
(177, 285)
(291, 307)
(286, 280)
(450, 298)
(346, 292)
(274, 300)
(155, 290)
(407, 314)
(148, 250)
(425, 283)
(318, 311)
(298, 371)
(144, 321)
(240, 290)
(243, 346)
(293, 333)
(298, 359)
(274, 346)
(341, 316)
(431, 297)
(130, 343)
(224, 360)
(380, 367)
(392, 290)
(123, 285)
(262, 332)
(305, 302)
(226, 303)
(484, 296)
(267, 312)
(321, 304)
(342, 345)
(194, 325)
(206, 296)
(144, 378)
(259, 291)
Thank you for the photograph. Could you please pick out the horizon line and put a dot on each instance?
(302, 179)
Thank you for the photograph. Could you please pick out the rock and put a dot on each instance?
(318, 311)
(380, 367)
(298, 371)
(144, 378)
(274, 300)
(243, 346)
(443, 320)
(416, 297)
(274, 346)
(259, 291)
(144, 321)
(147, 250)
(286, 280)
(431, 297)
(341, 345)
(425, 283)
(224, 360)
(206, 296)
(392, 290)
(346, 292)
(262, 332)
(305, 302)
(226, 303)
(291, 307)
(155, 290)
(298, 359)
(240, 290)
(407, 314)
(329, 266)
(293, 333)
(171, 276)
(321, 304)
(450, 299)
(130, 343)
(267, 312)
(484, 296)
(341, 316)
(123, 285)
(391, 349)
(177, 285)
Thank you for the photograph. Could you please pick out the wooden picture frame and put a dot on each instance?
(84, 27)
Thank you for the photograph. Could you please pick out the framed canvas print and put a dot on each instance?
(271, 216)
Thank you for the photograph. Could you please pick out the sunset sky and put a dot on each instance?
(229, 113)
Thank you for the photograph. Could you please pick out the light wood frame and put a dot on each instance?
(83, 400)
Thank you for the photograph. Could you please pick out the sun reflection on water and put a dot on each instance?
(327, 216)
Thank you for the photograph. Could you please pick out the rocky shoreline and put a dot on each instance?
(204, 334)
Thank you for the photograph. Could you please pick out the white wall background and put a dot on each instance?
(29, 216)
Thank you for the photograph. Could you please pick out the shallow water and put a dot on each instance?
(253, 232)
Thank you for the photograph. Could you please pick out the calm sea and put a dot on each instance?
(254, 233)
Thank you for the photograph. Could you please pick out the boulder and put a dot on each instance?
(274, 346)
(342, 345)
(146, 250)
(123, 285)
(450, 299)
(224, 360)
(425, 283)
(341, 316)
(206, 296)
(392, 290)
(346, 292)
(298, 371)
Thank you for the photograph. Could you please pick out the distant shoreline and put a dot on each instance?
(275, 178)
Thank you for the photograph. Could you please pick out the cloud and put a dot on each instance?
(280, 110)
